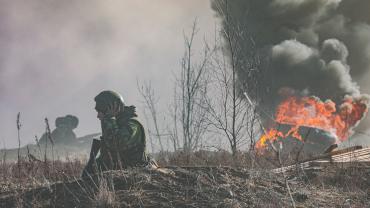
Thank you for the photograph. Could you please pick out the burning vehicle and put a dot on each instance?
(312, 123)
(309, 60)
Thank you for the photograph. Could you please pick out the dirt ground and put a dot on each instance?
(202, 187)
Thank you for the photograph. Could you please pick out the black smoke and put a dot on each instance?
(306, 47)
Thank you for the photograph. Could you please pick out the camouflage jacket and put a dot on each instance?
(123, 142)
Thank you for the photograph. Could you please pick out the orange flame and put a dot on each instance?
(314, 113)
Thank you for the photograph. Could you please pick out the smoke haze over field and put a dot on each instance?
(55, 56)
(315, 47)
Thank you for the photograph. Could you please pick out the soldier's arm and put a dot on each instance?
(112, 131)
(130, 137)
(127, 137)
(109, 122)
(109, 126)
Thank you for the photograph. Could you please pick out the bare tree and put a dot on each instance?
(173, 127)
(230, 112)
(190, 95)
(147, 93)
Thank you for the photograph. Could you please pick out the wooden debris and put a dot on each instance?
(355, 156)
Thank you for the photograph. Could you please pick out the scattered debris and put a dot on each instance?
(355, 156)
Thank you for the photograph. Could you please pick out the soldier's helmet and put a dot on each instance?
(107, 98)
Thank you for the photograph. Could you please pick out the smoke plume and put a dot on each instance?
(56, 56)
(310, 47)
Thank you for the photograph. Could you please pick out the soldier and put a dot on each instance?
(123, 142)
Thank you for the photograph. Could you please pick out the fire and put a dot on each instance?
(314, 113)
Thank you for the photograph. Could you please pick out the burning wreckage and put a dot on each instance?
(312, 57)
(312, 123)
(310, 130)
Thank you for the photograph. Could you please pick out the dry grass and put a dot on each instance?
(56, 180)
(204, 158)
(26, 174)
(105, 196)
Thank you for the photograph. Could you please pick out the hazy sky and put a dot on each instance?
(55, 56)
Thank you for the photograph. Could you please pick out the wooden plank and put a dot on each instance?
(351, 156)
(351, 153)
(363, 158)
(348, 157)
(330, 154)
(361, 151)
(341, 164)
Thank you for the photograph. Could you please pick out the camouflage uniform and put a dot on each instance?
(123, 142)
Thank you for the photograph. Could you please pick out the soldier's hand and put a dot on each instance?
(113, 110)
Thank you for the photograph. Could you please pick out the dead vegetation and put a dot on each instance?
(27, 174)
(205, 181)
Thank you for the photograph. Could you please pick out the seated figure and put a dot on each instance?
(123, 141)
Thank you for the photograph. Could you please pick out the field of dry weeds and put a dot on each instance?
(203, 179)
